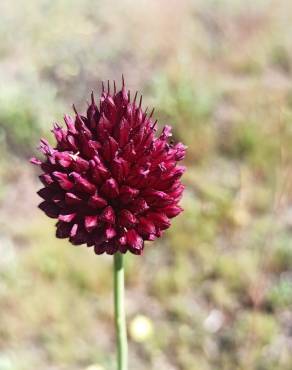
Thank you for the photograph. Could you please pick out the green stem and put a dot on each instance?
(120, 317)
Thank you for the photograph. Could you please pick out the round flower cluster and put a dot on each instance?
(109, 181)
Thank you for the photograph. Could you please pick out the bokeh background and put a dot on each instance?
(216, 291)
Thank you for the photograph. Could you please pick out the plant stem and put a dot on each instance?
(120, 317)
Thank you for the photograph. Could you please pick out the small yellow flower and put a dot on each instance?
(141, 328)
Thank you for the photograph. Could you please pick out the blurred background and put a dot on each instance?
(215, 293)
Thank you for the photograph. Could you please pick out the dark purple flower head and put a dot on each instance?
(110, 181)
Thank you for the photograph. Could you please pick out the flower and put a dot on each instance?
(109, 181)
(141, 328)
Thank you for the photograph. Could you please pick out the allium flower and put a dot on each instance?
(110, 182)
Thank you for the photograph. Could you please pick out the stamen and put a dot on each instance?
(154, 124)
(140, 102)
(75, 110)
(135, 97)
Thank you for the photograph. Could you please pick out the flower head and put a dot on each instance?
(110, 181)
